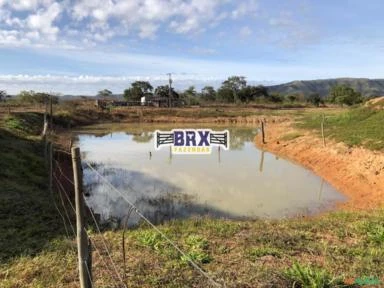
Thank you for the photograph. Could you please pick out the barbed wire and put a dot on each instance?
(63, 151)
(103, 260)
(63, 191)
(106, 247)
(89, 274)
(62, 173)
(136, 210)
(65, 209)
(132, 208)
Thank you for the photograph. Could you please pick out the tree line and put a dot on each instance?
(233, 90)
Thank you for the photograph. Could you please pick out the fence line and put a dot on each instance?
(62, 190)
(52, 176)
(106, 247)
(65, 193)
(135, 209)
(61, 171)
(105, 264)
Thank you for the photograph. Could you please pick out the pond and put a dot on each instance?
(243, 182)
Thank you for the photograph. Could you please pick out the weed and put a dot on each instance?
(310, 277)
(258, 252)
(197, 249)
(290, 136)
(151, 239)
(376, 234)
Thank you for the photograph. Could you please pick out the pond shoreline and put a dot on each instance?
(354, 171)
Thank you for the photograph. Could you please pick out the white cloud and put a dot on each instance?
(90, 84)
(245, 31)
(88, 22)
(245, 8)
(148, 30)
(28, 4)
(43, 20)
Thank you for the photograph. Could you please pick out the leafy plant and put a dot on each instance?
(264, 251)
(309, 277)
(197, 249)
(376, 234)
(151, 239)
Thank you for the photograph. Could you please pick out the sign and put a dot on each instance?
(192, 141)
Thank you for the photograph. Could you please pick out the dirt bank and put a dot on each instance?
(356, 172)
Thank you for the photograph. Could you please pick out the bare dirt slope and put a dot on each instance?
(356, 172)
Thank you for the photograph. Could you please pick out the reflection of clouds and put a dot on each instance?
(235, 187)
(148, 194)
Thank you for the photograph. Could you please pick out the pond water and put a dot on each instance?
(243, 182)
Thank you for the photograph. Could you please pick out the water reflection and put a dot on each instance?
(241, 182)
(144, 133)
(261, 161)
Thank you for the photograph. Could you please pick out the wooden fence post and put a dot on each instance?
(85, 271)
(322, 129)
(50, 112)
(50, 163)
(262, 131)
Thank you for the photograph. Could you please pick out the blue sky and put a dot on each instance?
(83, 46)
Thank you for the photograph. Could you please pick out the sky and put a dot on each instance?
(83, 46)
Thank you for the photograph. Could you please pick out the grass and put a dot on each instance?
(290, 136)
(311, 277)
(298, 252)
(284, 253)
(324, 251)
(356, 127)
(29, 225)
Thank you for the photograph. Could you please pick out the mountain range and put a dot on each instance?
(367, 87)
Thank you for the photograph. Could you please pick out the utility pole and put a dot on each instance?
(83, 245)
(170, 89)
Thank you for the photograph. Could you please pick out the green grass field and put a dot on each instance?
(355, 127)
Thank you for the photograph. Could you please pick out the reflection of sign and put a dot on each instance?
(192, 141)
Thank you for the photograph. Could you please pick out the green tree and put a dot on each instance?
(191, 91)
(315, 99)
(105, 93)
(37, 98)
(3, 95)
(276, 98)
(137, 90)
(235, 84)
(341, 94)
(250, 93)
(144, 86)
(163, 91)
(225, 94)
(190, 96)
(291, 98)
(208, 94)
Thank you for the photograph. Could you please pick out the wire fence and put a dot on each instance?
(106, 269)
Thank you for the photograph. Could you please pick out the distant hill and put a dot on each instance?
(367, 87)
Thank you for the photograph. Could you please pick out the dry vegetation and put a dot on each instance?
(331, 250)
